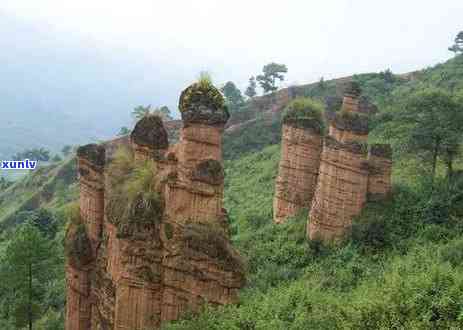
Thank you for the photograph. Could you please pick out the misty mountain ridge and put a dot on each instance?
(56, 92)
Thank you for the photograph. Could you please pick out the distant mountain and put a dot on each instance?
(57, 89)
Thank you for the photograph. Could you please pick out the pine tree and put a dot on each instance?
(26, 270)
(457, 47)
(251, 89)
(271, 72)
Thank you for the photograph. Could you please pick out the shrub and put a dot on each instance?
(305, 113)
(133, 203)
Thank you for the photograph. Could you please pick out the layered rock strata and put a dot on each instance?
(380, 168)
(299, 163)
(165, 251)
(349, 174)
(199, 263)
(83, 236)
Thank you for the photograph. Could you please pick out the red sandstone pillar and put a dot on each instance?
(149, 138)
(83, 237)
(136, 261)
(343, 179)
(380, 168)
(91, 161)
(299, 163)
(194, 225)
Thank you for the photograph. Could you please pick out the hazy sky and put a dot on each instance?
(234, 39)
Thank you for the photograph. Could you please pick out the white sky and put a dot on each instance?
(234, 39)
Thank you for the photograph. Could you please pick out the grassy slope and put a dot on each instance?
(50, 186)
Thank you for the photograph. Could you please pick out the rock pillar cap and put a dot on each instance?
(352, 89)
(209, 171)
(381, 150)
(352, 146)
(150, 132)
(351, 121)
(202, 103)
(304, 113)
(94, 153)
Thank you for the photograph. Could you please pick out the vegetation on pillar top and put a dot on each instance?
(381, 150)
(209, 171)
(352, 88)
(201, 102)
(304, 113)
(351, 121)
(149, 131)
(94, 153)
(355, 147)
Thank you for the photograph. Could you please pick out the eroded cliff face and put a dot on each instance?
(349, 174)
(332, 176)
(83, 236)
(154, 255)
(380, 167)
(299, 164)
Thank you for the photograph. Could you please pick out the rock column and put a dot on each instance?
(155, 252)
(138, 251)
(200, 265)
(83, 237)
(342, 186)
(149, 138)
(380, 167)
(299, 165)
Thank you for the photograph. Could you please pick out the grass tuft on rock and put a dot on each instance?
(304, 112)
(133, 203)
(202, 102)
(77, 248)
(213, 241)
(351, 121)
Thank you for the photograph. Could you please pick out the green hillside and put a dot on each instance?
(402, 269)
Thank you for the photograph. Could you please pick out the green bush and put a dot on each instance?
(133, 202)
(306, 113)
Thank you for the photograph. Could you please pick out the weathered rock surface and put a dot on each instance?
(380, 167)
(155, 256)
(341, 190)
(349, 174)
(148, 137)
(299, 165)
(83, 237)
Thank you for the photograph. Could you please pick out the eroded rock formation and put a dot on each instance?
(149, 255)
(348, 174)
(83, 236)
(380, 166)
(335, 180)
(300, 159)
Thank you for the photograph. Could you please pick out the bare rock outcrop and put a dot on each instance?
(333, 176)
(300, 159)
(151, 253)
(349, 174)
(83, 236)
(380, 167)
